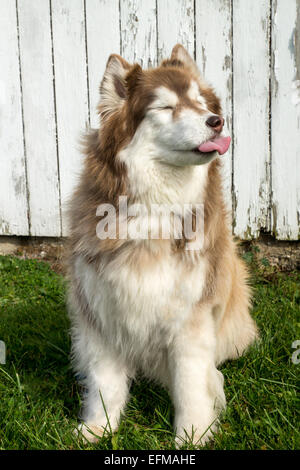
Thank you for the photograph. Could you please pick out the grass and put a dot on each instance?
(39, 397)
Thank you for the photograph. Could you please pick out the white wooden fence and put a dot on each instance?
(52, 57)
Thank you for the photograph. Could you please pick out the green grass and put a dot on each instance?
(39, 397)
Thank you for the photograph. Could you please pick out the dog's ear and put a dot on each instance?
(113, 90)
(180, 54)
(133, 78)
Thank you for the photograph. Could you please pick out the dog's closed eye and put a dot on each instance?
(162, 108)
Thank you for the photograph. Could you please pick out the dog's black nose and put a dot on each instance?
(216, 122)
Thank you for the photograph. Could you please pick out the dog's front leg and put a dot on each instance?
(106, 395)
(196, 384)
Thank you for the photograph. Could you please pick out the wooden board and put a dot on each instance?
(214, 58)
(139, 32)
(175, 24)
(13, 192)
(103, 39)
(251, 177)
(71, 94)
(39, 117)
(285, 109)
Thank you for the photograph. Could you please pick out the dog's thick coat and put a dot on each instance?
(151, 305)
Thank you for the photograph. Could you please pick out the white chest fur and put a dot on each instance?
(137, 306)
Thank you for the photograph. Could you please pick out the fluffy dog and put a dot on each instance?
(150, 304)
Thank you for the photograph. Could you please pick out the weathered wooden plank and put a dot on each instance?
(285, 135)
(251, 117)
(138, 31)
(103, 39)
(175, 24)
(69, 51)
(213, 55)
(39, 117)
(13, 193)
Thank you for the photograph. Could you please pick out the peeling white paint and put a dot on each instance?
(13, 197)
(251, 176)
(285, 124)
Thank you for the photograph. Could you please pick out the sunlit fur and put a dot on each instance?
(152, 306)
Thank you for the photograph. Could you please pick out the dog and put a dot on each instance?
(151, 305)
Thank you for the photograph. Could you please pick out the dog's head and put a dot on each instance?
(169, 111)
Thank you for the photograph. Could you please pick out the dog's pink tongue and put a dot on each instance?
(221, 145)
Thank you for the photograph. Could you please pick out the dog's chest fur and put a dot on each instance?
(139, 306)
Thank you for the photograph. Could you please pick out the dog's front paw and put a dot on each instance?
(89, 432)
(194, 435)
(197, 427)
